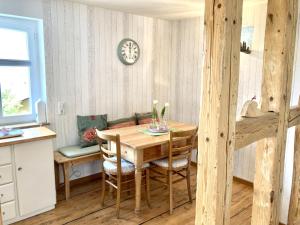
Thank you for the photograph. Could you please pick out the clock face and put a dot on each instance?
(128, 51)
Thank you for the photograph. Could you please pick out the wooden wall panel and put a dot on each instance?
(83, 70)
(179, 81)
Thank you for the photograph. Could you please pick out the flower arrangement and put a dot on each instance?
(159, 122)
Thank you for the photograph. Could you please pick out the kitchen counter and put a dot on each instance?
(30, 135)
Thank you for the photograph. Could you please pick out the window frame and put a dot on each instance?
(31, 27)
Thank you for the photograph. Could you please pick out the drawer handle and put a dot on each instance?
(2, 195)
(20, 168)
(3, 213)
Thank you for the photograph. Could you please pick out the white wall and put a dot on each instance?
(26, 8)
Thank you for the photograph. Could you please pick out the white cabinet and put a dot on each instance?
(5, 155)
(27, 182)
(5, 174)
(8, 210)
(35, 176)
(7, 193)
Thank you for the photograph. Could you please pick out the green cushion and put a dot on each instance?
(86, 128)
(124, 122)
(76, 151)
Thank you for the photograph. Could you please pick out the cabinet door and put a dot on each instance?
(35, 176)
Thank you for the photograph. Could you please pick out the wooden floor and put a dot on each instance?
(84, 207)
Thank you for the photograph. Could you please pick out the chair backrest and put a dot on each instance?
(181, 145)
(106, 153)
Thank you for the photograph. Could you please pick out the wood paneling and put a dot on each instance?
(180, 83)
(83, 70)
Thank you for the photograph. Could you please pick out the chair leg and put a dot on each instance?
(188, 182)
(170, 174)
(118, 201)
(127, 177)
(103, 189)
(111, 189)
(148, 187)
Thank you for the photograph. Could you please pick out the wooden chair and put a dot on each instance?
(181, 144)
(118, 170)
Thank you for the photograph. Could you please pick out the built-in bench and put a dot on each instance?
(71, 156)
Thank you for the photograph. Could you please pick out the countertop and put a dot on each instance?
(30, 135)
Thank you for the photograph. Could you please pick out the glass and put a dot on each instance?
(15, 90)
(13, 44)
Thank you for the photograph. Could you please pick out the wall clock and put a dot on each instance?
(128, 51)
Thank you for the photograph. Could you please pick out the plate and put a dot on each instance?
(161, 130)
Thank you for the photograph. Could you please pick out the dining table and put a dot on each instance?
(140, 146)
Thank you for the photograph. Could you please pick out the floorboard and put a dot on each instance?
(83, 208)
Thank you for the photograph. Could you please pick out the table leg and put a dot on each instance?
(138, 183)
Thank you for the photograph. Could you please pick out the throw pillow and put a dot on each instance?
(86, 128)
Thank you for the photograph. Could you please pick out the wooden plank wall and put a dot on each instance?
(180, 85)
(83, 70)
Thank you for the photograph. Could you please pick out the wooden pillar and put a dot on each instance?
(294, 211)
(218, 111)
(276, 92)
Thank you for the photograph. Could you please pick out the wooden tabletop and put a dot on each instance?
(135, 138)
(30, 134)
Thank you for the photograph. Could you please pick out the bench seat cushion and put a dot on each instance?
(76, 151)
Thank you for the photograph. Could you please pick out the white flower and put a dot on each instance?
(155, 102)
(167, 104)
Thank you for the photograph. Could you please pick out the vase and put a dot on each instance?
(163, 124)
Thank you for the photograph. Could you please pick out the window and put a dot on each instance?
(20, 69)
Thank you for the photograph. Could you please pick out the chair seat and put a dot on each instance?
(177, 163)
(126, 167)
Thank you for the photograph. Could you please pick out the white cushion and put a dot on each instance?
(126, 167)
(177, 163)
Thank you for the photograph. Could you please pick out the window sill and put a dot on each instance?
(25, 125)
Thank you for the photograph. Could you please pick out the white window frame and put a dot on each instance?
(32, 28)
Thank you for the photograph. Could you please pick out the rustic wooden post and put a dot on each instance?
(276, 91)
(218, 111)
(294, 211)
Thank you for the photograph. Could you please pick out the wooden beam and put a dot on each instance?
(276, 91)
(294, 210)
(249, 130)
(218, 111)
(294, 117)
